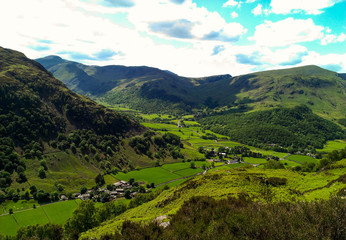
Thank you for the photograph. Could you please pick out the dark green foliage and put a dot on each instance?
(231, 218)
(36, 109)
(100, 180)
(83, 190)
(48, 231)
(83, 219)
(273, 164)
(296, 127)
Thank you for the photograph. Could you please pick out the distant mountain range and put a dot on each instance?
(151, 89)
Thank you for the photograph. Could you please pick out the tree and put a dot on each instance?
(192, 165)
(42, 173)
(83, 219)
(127, 194)
(83, 190)
(48, 231)
(100, 180)
(131, 181)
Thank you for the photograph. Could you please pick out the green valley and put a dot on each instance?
(157, 151)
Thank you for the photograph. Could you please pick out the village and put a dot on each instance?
(112, 192)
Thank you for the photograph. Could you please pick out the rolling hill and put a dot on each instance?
(136, 87)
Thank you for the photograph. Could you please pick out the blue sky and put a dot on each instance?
(189, 37)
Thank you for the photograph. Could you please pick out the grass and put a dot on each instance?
(333, 145)
(176, 166)
(17, 206)
(255, 160)
(8, 225)
(31, 217)
(220, 183)
(189, 171)
(302, 159)
(154, 175)
(61, 211)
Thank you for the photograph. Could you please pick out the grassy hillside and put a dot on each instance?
(258, 184)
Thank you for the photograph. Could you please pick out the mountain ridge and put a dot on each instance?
(322, 90)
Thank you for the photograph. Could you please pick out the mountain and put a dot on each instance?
(150, 89)
(136, 87)
(50, 135)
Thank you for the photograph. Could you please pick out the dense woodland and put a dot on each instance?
(292, 128)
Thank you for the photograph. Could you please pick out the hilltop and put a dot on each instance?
(136, 87)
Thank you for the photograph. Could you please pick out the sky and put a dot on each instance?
(192, 38)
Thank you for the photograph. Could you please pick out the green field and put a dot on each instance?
(154, 175)
(255, 160)
(188, 172)
(17, 206)
(59, 212)
(333, 145)
(302, 159)
(8, 225)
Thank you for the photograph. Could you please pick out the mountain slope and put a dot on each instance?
(45, 126)
(136, 87)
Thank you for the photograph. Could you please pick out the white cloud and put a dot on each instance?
(186, 22)
(306, 6)
(230, 3)
(250, 1)
(234, 15)
(285, 32)
(257, 10)
(331, 38)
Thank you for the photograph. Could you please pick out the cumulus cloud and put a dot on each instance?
(306, 6)
(331, 38)
(186, 21)
(285, 32)
(230, 3)
(234, 15)
(257, 10)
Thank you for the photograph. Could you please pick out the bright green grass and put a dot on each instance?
(290, 163)
(333, 145)
(302, 159)
(8, 225)
(188, 172)
(230, 182)
(61, 211)
(255, 160)
(31, 217)
(18, 206)
(176, 166)
(235, 165)
(154, 175)
(152, 116)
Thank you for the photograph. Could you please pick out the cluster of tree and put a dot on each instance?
(232, 218)
(168, 142)
(10, 163)
(292, 128)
